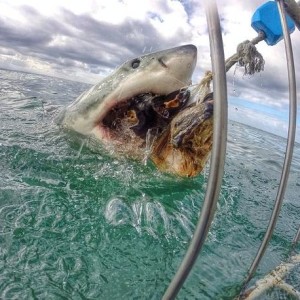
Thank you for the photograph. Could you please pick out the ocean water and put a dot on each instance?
(78, 224)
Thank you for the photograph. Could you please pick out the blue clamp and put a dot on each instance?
(266, 18)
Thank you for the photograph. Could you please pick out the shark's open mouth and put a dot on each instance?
(177, 136)
(130, 121)
(157, 117)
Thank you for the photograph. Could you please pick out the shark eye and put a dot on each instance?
(135, 63)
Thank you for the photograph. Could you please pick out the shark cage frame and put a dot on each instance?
(219, 146)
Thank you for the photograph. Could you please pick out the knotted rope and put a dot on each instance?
(246, 56)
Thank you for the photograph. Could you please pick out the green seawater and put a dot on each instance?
(80, 224)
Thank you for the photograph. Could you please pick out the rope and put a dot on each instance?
(274, 279)
(203, 88)
(247, 56)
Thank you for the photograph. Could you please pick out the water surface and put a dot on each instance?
(79, 224)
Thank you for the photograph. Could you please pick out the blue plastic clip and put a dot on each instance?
(266, 18)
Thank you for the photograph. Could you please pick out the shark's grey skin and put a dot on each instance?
(159, 73)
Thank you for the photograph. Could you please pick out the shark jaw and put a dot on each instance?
(158, 73)
(145, 109)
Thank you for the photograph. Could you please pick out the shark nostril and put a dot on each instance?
(160, 60)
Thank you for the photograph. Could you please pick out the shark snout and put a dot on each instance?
(186, 52)
(176, 66)
(189, 49)
(183, 59)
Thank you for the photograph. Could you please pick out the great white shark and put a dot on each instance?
(143, 96)
(159, 73)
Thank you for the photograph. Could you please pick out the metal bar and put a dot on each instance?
(293, 9)
(218, 151)
(290, 144)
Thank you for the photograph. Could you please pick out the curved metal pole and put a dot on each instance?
(293, 9)
(218, 151)
(290, 144)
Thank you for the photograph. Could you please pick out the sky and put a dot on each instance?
(86, 40)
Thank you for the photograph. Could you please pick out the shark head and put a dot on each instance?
(158, 73)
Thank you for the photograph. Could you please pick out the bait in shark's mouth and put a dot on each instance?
(143, 113)
(148, 98)
(183, 148)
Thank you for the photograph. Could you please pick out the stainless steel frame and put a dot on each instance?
(219, 149)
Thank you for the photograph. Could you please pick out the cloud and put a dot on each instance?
(68, 39)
